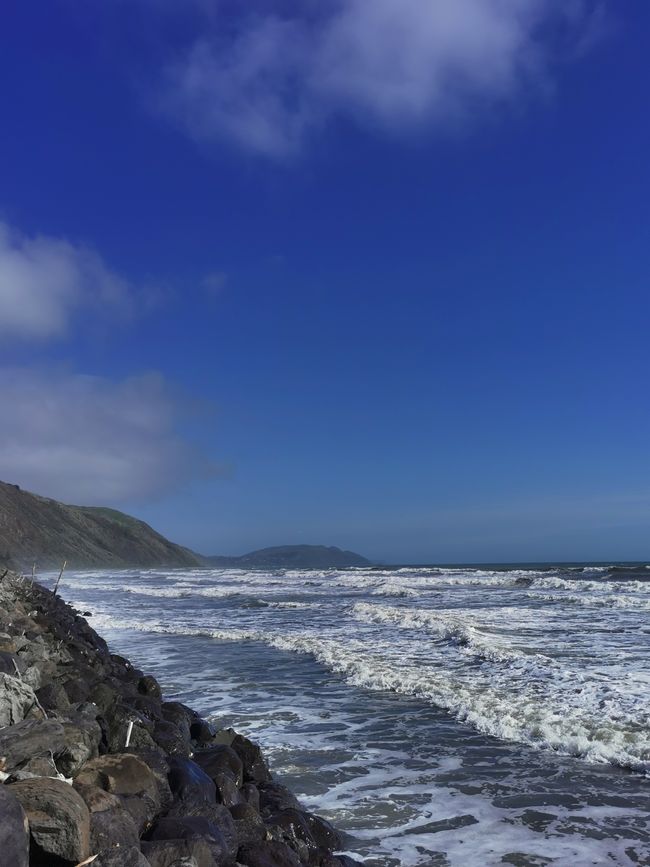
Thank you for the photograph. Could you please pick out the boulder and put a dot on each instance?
(253, 763)
(269, 853)
(129, 777)
(202, 732)
(17, 700)
(179, 714)
(251, 795)
(188, 781)
(119, 857)
(249, 825)
(113, 828)
(190, 828)
(14, 830)
(59, 821)
(194, 852)
(52, 696)
(275, 797)
(29, 739)
(148, 685)
(170, 738)
(82, 739)
(215, 814)
(221, 760)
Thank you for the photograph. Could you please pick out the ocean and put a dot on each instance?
(458, 717)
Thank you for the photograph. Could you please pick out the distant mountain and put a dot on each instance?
(34, 528)
(292, 557)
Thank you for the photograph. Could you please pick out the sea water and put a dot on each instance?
(438, 716)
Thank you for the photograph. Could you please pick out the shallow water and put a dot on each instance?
(439, 716)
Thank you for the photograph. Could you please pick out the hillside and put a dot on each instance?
(292, 557)
(34, 528)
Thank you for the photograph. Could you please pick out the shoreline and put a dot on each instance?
(98, 768)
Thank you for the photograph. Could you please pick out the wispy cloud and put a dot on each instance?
(45, 281)
(88, 440)
(269, 79)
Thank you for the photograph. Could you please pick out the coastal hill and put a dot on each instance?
(45, 531)
(34, 528)
(292, 557)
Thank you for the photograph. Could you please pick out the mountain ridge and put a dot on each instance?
(41, 530)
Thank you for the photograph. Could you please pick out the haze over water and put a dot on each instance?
(440, 716)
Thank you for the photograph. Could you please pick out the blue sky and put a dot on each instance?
(371, 274)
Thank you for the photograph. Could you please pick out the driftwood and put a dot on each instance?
(56, 586)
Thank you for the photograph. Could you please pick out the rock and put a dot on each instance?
(219, 760)
(82, 739)
(202, 732)
(123, 774)
(270, 853)
(14, 830)
(179, 714)
(251, 795)
(7, 643)
(158, 764)
(291, 827)
(250, 754)
(189, 828)
(52, 696)
(105, 697)
(17, 700)
(77, 690)
(323, 832)
(194, 852)
(216, 814)
(188, 781)
(168, 736)
(59, 821)
(275, 797)
(346, 861)
(10, 663)
(113, 828)
(132, 857)
(249, 825)
(148, 685)
(29, 739)
(129, 777)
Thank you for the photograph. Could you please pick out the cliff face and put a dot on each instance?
(34, 528)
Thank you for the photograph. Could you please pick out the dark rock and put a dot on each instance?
(323, 832)
(10, 663)
(82, 739)
(219, 760)
(250, 754)
(14, 830)
(105, 697)
(194, 852)
(216, 814)
(59, 821)
(158, 764)
(269, 853)
(291, 827)
(77, 690)
(249, 824)
(132, 857)
(168, 736)
(202, 732)
(52, 696)
(188, 781)
(148, 685)
(190, 828)
(179, 714)
(346, 861)
(275, 797)
(29, 739)
(112, 829)
(251, 795)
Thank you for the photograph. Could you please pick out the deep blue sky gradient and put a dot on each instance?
(431, 347)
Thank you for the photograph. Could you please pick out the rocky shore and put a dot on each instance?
(97, 768)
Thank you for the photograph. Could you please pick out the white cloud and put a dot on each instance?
(272, 79)
(88, 440)
(44, 281)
